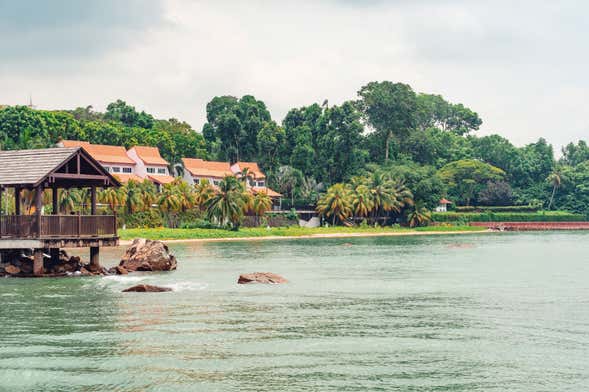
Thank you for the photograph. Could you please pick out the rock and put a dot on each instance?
(121, 270)
(27, 268)
(84, 272)
(146, 288)
(261, 277)
(12, 269)
(148, 255)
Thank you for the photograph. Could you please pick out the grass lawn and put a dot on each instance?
(294, 231)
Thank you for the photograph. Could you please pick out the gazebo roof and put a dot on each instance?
(445, 201)
(63, 167)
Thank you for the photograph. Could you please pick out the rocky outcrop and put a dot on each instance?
(148, 255)
(261, 277)
(146, 288)
(19, 263)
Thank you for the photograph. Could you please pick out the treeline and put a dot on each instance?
(421, 140)
(121, 125)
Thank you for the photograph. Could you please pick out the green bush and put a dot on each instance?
(141, 220)
(541, 216)
(527, 208)
(199, 224)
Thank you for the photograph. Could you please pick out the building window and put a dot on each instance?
(161, 170)
(107, 168)
(197, 180)
(216, 182)
(127, 170)
(261, 183)
(151, 170)
(116, 169)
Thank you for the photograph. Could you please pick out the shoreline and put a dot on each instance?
(315, 236)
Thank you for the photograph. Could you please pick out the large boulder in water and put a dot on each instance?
(146, 288)
(261, 277)
(148, 255)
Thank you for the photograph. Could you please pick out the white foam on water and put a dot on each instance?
(125, 278)
(187, 286)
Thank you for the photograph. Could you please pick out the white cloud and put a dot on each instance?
(522, 66)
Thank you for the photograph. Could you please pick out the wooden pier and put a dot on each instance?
(56, 169)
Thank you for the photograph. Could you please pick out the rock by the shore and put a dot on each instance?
(12, 269)
(20, 263)
(261, 277)
(148, 255)
(146, 288)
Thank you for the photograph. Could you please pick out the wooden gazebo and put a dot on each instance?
(54, 168)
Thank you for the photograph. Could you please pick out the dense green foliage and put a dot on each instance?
(421, 140)
(121, 125)
(548, 216)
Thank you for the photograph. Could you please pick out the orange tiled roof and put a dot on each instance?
(124, 178)
(102, 153)
(266, 190)
(202, 168)
(445, 201)
(252, 167)
(161, 179)
(150, 155)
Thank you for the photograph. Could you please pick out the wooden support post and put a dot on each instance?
(16, 200)
(38, 208)
(54, 253)
(94, 258)
(38, 262)
(55, 199)
(93, 200)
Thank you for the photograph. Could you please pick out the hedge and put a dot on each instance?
(526, 208)
(551, 216)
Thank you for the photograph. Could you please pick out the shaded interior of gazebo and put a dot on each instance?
(53, 169)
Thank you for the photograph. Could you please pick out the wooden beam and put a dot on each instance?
(73, 176)
(93, 200)
(17, 200)
(55, 199)
(38, 262)
(38, 207)
(94, 258)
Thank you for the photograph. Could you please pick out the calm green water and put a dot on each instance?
(504, 312)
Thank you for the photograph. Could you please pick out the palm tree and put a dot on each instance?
(134, 200)
(418, 216)
(336, 203)
(555, 179)
(185, 193)
(148, 194)
(229, 203)
(203, 191)
(260, 204)
(362, 202)
(388, 195)
(113, 197)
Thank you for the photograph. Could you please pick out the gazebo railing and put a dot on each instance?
(57, 226)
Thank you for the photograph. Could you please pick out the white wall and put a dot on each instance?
(141, 167)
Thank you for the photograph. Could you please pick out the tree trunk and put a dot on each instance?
(552, 196)
(387, 144)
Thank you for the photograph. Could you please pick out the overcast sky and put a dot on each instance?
(522, 65)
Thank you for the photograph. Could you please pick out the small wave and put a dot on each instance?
(124, 278)
(187, 286)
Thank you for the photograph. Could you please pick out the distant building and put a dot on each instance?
(149, 164)
(443, 205)
(113, 158)
(196, 170)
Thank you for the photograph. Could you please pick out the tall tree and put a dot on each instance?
(390, 108)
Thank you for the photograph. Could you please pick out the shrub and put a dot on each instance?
(526, 208)
(140, 220)
(543, 216)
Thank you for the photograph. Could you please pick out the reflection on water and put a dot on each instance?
(501, 312)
